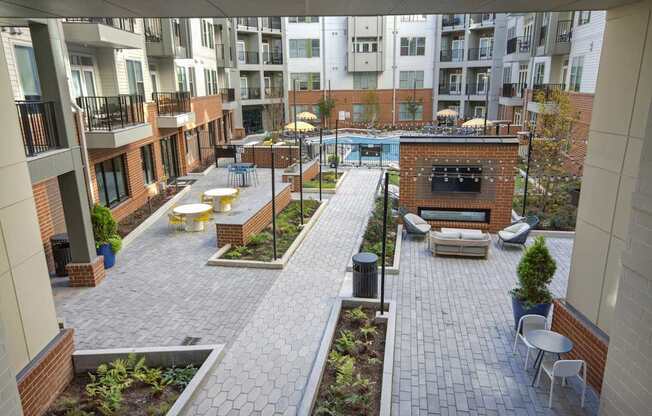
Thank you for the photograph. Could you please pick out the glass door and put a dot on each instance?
(244, 88)
(457, 49)
(240, 48)
(481, 82)
(455, 84)
(169, 157)
(266, 57)
(486, 45)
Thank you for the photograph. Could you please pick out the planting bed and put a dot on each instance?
(352, 380)
(328, 180)
(373, 235)
(133, 220)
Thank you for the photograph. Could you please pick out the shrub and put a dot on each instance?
(105, 228)
(535, 272)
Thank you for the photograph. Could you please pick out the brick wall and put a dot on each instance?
(345, 99)
(86, 274)
(47, 375)
(308, 174)
(588, 345)
(49, 211)
(239, 234)
(261, 156)
(416, 161)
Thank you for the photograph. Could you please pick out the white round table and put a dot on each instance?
(190, 212)
(217, 194)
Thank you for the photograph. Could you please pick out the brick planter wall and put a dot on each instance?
(86, 274)
(308, 174)
(261, 156)
(239, 234)
(47, 375)
(588, 345)
(495, 197)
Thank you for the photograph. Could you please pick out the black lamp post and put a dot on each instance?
(384, 245)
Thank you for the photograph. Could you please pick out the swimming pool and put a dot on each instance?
(364, 150)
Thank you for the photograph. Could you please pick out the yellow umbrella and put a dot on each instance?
(476, 122)
(301, 126)
(448, 112)
(306, 115)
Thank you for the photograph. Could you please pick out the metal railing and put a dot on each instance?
(519, 44)
(546, 89)
(479, 54)
(476, 88)
(38, 126)
(171, 103)
(512, 90)
(246, 57)
(273, 92)
(110, 113)
(152, 28)
(271, 23)
(122, 23)
(250, 93)
(450, 89)
(273, 58)
(483, 19)
(452, 20)
(248, 22)
(451, 55)
(227, 94)
(564, 31)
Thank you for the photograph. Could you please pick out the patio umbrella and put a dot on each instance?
(300, 126)
(306, 115)
(477, 122)
(448, 112)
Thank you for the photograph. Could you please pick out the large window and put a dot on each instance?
(182, 79)
(306, 81)
(411, 79)
(539, 73)
(207, 34)
(135, 77)
(83, 75)
(365, 80)
(303, 19)
(304, 48)
(413, 46)
(191, 81)
(27, 72)
(404, 113)
(147, 159)
(359, 112)
(210, 81)
(111, 181)
(576, 74)
(365, 45)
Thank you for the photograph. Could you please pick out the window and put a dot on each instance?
(191, 81)
(359, 112)
(518, 117)
(111, 181)
(135, 77)
(584, 18)
(300, 108)
(210, 81)
(27, 72)
(147, 159)
(413, 46)
(522, 75)
(411, 79)
(303, 19)
(365, 45)
(478, 111)
(576, 74)
(365, 80)
(486, 48)
(207, 34)
(414, 18)
(511, 32)
(539, 73)
(404, 113)
(82, 74)
(304, 48)
(182, 79)
(306, 81)
(507, 75)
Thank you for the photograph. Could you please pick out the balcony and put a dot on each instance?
(115, 121)
(546, 91)
(450, 21)
(451, 55)
(248, 58)
(480, 54)
(519, 44)
(153, 31)
(272, 58)
(273, 92)
(271, 24)
(564, 31)
(513, 90)
(450, 89)
(249, 93)
(476, 88)
(480, 20)
(247, 23)
(38, 126)
(173, 109)
(102, 32)
(227, 94)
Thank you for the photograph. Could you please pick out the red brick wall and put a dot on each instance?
(261, 156)
(345, 99)
(587, 344)
(308, 174)
(416, 160)
(86, 274)
(47, 375)
(49, 211)
(239, 234)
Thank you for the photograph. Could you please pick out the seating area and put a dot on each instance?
(460, 242)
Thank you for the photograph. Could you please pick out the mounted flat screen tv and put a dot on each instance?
(456, 178)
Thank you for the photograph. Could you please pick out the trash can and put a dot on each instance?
(365, 275)
(60, 253)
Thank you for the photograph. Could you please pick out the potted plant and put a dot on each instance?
(535, 272)
(105, 230)
(333, 161)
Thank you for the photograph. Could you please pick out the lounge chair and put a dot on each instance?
(517, 233)
(414, 224)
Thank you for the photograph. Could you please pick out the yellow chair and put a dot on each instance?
(205, 199)
(226, 201)
(175, 220)
(205, 217)
(237, 194)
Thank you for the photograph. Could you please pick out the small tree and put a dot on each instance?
(371, 107)
(413, 106)
(276, 117)
(105, 228)
(326, 106)
(535, 272)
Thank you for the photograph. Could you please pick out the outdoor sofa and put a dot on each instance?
(459, 242)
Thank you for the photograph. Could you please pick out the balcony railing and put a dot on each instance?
(512, 90)
(450, 89)
(248, 22)
(519, 44)
(245, 57)
(227, 94)
(271, 24)
(111, 113)
(273, 58)
(546, 89)
(564, 31)
(452, 20)
(479, 54)
(171, 103)
(122, 23)
(451, 55)
(153, 30)
(250, 93)
(38, 126)
(476, 88)
(483, 19)
(273, 92)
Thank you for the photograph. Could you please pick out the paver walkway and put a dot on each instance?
(454, 337)
(265, 370)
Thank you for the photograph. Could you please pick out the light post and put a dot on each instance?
(299, 142)
(487, 81)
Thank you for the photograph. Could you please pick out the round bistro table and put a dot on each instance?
(190, 212)
(547, 341)
(216, 194)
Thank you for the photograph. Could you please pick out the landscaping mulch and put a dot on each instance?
(335, 396)
(133, 220)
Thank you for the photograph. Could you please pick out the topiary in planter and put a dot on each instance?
(535, 272)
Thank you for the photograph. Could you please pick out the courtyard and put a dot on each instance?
(454, 329)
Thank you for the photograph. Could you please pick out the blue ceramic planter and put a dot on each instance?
(109, 256)
(518, 310)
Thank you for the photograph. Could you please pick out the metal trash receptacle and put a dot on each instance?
(365, 275)
(60, 253)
